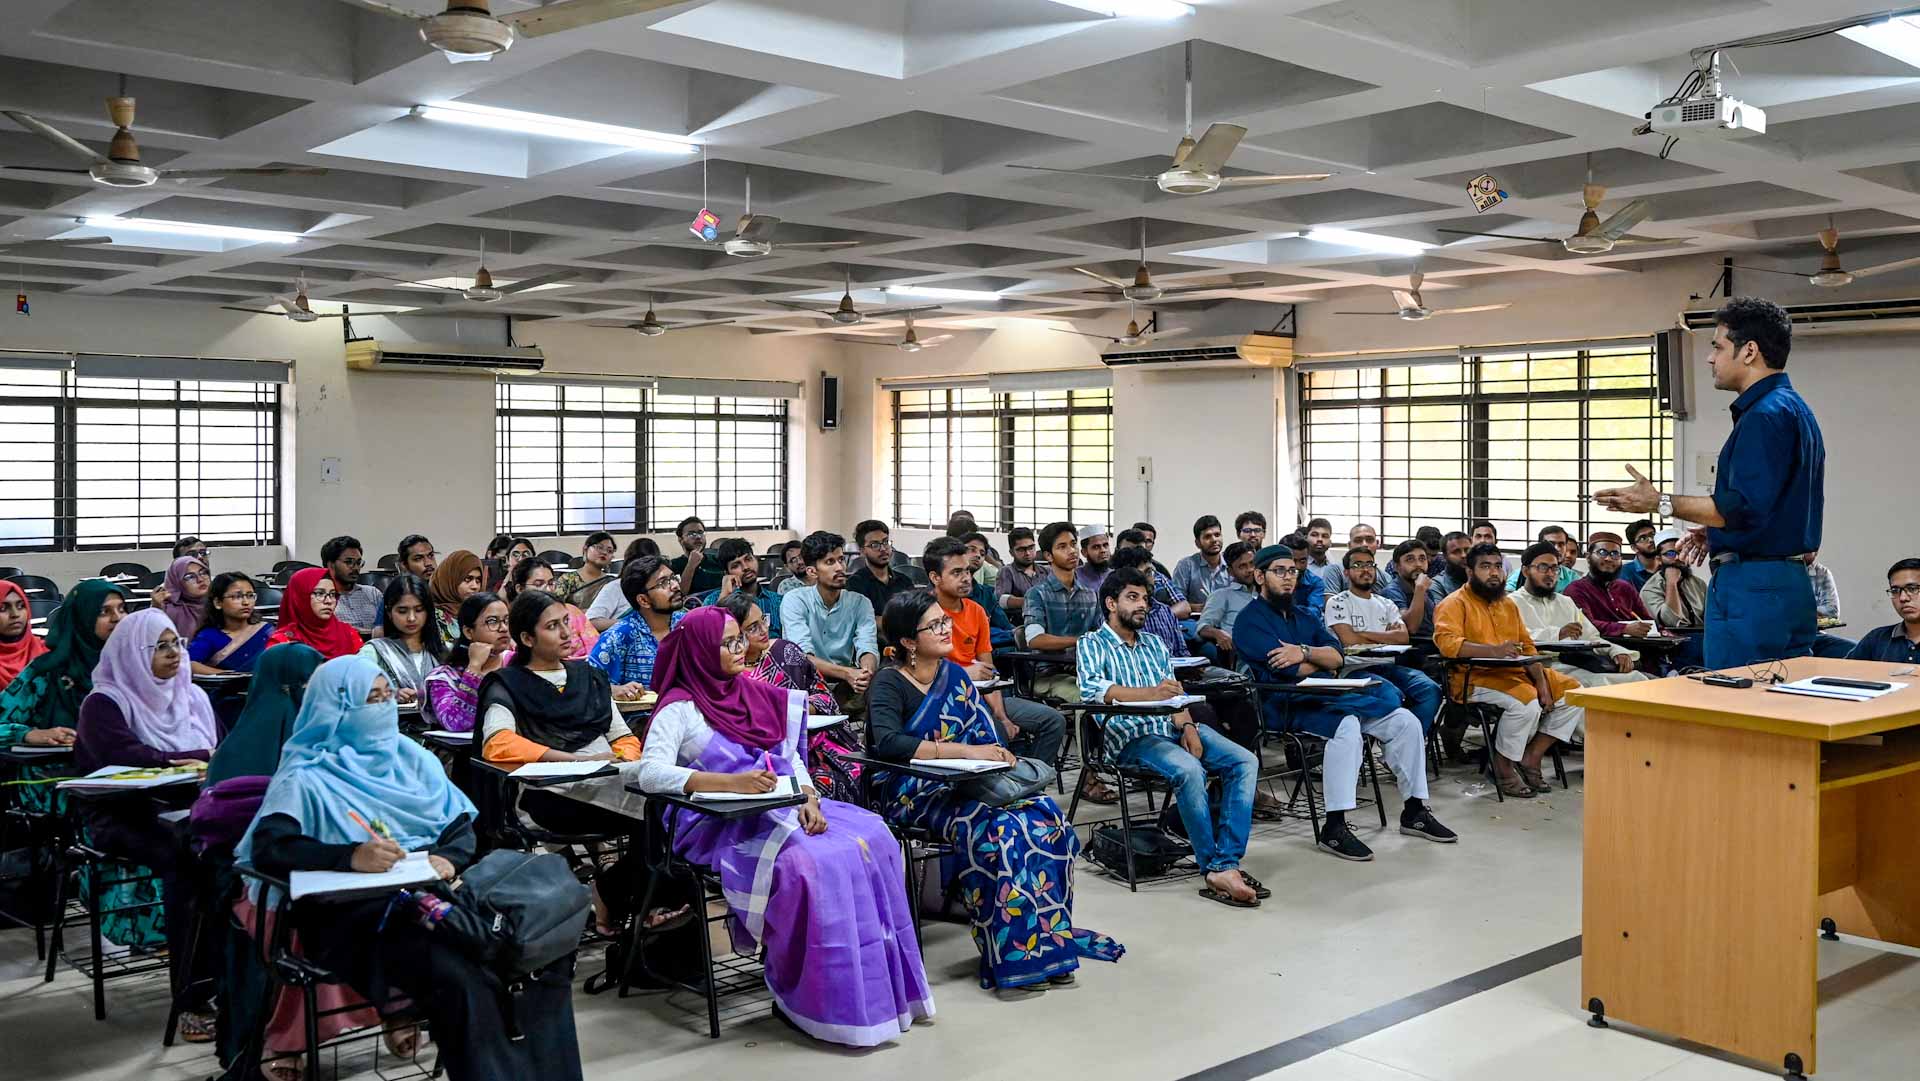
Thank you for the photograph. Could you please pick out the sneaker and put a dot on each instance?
(1062, 979)
(1340, 841)
(1022, 993)
(1427, 826)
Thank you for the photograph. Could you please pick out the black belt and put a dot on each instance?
(1725, 558)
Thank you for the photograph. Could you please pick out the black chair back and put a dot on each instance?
(557, 557)
(151, 579)
(267, 597)
(42, 607)
(12, 572)
(288, 566)
(376, 579)
(138, 570)
(30, 582)
(388, 562)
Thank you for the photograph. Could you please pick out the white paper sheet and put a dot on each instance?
(410, 871)
(1178, 701)
(783, 787)
(1826, 690)
(1380, 647)
(107, 777)
(1330, 681)
(824, 720)
(534, 771)
(960, 765)
(1190, 662)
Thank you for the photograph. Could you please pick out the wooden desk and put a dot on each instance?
(1722, 826)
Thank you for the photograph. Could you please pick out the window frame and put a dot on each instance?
(1005, 416)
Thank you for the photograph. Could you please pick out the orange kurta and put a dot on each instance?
(1463, 617)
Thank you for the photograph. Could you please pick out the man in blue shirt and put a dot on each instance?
(1412, 590)
(1646, 560)
(1769, 493)
(743, 575)
(833, 625)
(1897, 643)
(1309, 592)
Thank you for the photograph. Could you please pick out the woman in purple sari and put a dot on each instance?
(820, 886)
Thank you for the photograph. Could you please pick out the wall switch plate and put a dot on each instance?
(1143, 469)
(329, 470)
(1706, 468)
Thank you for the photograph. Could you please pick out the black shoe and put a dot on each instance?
(1340, 841)
(1427, 826)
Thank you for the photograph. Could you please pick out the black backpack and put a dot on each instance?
(1154, 853)
(519, 911)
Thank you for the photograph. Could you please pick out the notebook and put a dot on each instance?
(960, 765)
(783, 788)
(1190, 662)
(108, 778)
(1178, 701)
(824, 720)
(561, 771)
(1826, 690)
(1333, 682)
(410, 871)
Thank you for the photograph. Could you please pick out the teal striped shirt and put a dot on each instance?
(1105, 661)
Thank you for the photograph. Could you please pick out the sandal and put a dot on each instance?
(287, 1066)
(1227, 899)
(1096, 792)
(661, 920)
(1535, 779)
(402, 1042)
(1260, 892)
(196, 1027)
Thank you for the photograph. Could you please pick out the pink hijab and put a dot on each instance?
(188, 616)
(173, 715)
(746, 711)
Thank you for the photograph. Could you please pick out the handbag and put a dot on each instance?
(1027, 778)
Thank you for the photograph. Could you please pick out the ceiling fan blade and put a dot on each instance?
(1084, 334)
(1210, 154)
(1270, 178)
(72, 146)
(794, 305)
(1405, 299)
(1115, 282)
(1501, 236)
(277, 170)
(1188, 290)
(1076, 172)
(1172, 332)
(1395, 315)
(573, 14)
(1883, 268)
(291, 304)
(935, 340)
(38, 169)
(379, 8)
(851, 340)
(1773, 270)
(1473, 308)
(544, 279)
(250, 311)
(818, 245)
(79, 242)
(757, 227)
(901, 311)
(1622, 221)
(1631, 241)
(417, 285)
(701, 323)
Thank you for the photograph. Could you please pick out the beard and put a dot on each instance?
(1487, 592)
(1283, 602)
(1603, 577)
(1133, 621)
(1534, 589)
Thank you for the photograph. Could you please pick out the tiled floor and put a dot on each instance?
(1201, 985)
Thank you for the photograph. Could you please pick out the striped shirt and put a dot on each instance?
(1105, 661)
(1052, 608)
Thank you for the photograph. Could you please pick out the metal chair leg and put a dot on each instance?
(1126, 832)
(62, 875)
(706, 950)
(1373, 774)
(99, 960)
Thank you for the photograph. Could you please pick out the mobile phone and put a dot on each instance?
(1857, 684)
(1726, 681)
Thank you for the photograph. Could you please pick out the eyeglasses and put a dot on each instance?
(1605, 553)
(494, 623)
(167, 649)
(939, 626)
(1897, 592)
(878, 546)
(1543, 567)
(197, 553)
(757, 630)
(193, 578)
(241, 598)
(1358, 563)
(351, 562)
(325, 595)
(1284, 572)
(1669, 553)
(604, 549)
(734, 644)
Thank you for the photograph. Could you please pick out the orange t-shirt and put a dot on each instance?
(970, 632)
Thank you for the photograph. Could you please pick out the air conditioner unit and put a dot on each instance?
(369, 355)
(1259, 350)
(1844, 317)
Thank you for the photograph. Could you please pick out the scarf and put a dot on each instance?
(564, 718)
(347, 757)
(166, 715)
(445, 585)
(252, 749)
(48, 692)
(298, 623)
(188, 616)
(20, 652)
(747, 711)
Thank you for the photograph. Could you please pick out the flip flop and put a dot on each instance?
(1260, 892)
(1108, 799)
(1212, 894)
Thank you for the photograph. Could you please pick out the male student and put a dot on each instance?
(1359, 617)
(1550, 615)
(1020, 573)
(1031, 728)
(796, 568)
(1225, 604)
(1164, 589)
(1454, 574)
(1118, 664)
(1565, 551)
(1677, 599)
(1060, 608)
(1319, 534)
(877, 579)
(1365, 536)
(1251, 526)
(417, 556)
(743, 576)
(1096, 548)
(1204, 571)
(833, 626)
(359, 605)
(1410, 588)
(1000, 627)
(1604, 596)
(698, 568)
(1483, 532)
(1897, 643)
(1148, 535)
(1309, 591)
(1279, 642)
(1645, 560)
(1482, 621)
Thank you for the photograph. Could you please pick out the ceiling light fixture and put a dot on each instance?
(1373, 242)
(190, 228)
(1898, 37)
(1139, 9)
(553, 127)
(935, 292)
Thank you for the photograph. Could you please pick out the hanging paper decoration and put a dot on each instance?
(705, 225)
(20, 304)
(1485, 192)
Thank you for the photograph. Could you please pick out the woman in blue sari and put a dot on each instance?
(233, 636)
(1012, 866)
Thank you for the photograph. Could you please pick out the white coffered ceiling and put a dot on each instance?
(892, 123)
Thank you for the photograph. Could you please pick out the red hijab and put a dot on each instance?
(747, 711)
(20, 652)
(298, 623)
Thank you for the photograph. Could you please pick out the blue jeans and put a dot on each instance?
(1219, 836)
(1758, 612)
(1422, 694)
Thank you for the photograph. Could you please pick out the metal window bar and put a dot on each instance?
(1011, 458)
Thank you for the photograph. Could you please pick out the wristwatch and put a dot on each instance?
(1666, 505)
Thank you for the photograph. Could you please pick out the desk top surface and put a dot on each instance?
(1759, 710)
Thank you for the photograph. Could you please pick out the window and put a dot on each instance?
(1521, 439)
(92, 463)
(575, 458)
(1023, 458)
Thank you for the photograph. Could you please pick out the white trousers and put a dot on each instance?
(1404, 746)
(1520, 720)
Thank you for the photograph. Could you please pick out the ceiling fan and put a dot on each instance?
(912, 343)
(1142, 287)
(469, 30)
(1831, 274)
(481, 289)
(652, 327)
(1594, 236)
(845, 313)
(294, 307)
(753, 235)
(1135, 333)
(120, 167)
(1197, 166)
(1413, 309)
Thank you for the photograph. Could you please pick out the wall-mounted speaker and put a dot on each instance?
(1670, 372)
(829, 402)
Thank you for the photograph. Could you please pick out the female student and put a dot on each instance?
(819, 885)
(1015, 862)
(409, 647)
(42, 704)
(306, 615)
(347, 758)
(187, 584)
(18, 644)
(146, 713)
(232, 635)
(579, 588)
(453, 689)
(611, 604)
(543, 707)
(782, 664)
(459, 576)
(531, 573)
(252, 747)
(627, 649)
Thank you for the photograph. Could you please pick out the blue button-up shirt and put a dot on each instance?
(1106, 662)
(1397, 591)
(841, 634)
(1889, 644)
(1771, 484)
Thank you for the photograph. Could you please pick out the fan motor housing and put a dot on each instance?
(461, 34)
(1187, 182)
(124, 174)
(747, 249)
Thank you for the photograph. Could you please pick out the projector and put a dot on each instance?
(1709, 114)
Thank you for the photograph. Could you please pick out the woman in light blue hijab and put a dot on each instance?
(346, 757)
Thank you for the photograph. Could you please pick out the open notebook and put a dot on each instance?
(783, 788)
(960, 765)
(410, 871)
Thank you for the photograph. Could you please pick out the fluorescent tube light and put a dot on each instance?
(1373, 242)
(1898, 37)
(934, 292)
(190, 228)
(1141, 9)
(553, 127)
